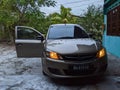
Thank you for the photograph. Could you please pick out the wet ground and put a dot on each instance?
(25, 74)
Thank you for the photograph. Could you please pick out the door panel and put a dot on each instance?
(27, 43)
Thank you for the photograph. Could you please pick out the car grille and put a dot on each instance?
(79, 57)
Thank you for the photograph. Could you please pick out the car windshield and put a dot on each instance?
(66, 32)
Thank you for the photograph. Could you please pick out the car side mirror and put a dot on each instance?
(40, 38)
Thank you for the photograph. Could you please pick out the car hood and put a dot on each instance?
(72, 46)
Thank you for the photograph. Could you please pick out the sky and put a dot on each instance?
(78, 6)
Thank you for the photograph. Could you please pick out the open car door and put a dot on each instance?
(28, 42)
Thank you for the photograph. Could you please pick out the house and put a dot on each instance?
(111, 37)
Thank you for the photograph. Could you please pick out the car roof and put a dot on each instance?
(67, 25)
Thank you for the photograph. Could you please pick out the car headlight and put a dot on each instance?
(101, 53)
(53, 55)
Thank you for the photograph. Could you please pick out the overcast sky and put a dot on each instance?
(78, 6)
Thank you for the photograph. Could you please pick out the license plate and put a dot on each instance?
(80, 67)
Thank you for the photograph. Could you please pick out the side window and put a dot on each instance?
(26, 33)
(79, 33)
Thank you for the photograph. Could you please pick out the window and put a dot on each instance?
(113, 22)
(79, 33)
(66, 32)
(26, 33)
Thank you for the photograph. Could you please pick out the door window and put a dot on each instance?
(79, 33)
(26, 33)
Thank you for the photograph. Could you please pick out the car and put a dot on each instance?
(68, 51)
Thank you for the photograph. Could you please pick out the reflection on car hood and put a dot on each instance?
(70, 46)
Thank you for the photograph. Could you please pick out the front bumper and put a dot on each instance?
(65, 69)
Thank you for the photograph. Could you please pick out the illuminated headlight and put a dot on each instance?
(101, 53)
(53, 55)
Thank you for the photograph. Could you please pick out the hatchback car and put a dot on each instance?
(67, 52)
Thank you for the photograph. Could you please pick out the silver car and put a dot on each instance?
(67, 52)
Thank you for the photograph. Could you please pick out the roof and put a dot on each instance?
(64, 24)
(67, 25)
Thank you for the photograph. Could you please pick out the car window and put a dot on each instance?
(60, 32)
(66, 32)
(79, 33)
(26, 33)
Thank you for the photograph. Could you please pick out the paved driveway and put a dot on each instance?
(25, 74)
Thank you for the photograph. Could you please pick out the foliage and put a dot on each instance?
(27, 13)
(22, 12)
(92, 21)
(65, 16)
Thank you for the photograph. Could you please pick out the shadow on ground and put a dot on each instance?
(78, 81)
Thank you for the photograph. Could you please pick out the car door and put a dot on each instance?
(28, 42)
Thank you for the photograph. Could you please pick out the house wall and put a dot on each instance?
(112, 43)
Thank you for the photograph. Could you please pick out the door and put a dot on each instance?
(28, 42)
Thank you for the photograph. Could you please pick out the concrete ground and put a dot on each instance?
(25, 74)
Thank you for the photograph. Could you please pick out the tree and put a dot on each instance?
(92, 21)
(22, 12)
(6, 20)
(64, 16)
